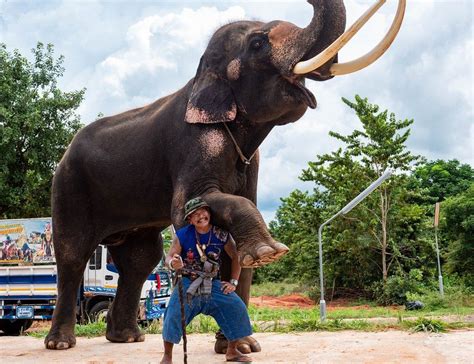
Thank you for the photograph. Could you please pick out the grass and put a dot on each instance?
(275, 289)
(370, 317)
(427, 325)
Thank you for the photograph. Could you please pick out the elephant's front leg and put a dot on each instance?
(240, 216)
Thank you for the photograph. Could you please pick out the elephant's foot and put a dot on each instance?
(262, 254)
(59, 341)
(123, 334)
(126, 335)
(245, 345)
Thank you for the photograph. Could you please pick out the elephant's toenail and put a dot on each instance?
(281, 248)
(247, 261)
(62, 345)
(265, 251)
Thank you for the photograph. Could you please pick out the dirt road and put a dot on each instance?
(317, 347)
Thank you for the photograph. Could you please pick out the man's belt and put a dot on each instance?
(202, 285)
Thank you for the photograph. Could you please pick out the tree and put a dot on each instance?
(368, 152)
(297, 218)
(37, 122)
(442, 179)
(458, 224)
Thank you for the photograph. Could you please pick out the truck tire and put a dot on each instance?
(99, 311)
(15, 327)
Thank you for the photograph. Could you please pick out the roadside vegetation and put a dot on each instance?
(454, 311)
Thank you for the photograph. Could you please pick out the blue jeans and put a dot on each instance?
(228, 310)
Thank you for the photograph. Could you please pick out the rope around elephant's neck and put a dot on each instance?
(241, 155)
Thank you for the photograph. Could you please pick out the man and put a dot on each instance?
(196, 250)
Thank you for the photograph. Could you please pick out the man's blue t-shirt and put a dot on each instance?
(214, 241)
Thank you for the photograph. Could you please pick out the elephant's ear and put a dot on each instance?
(211, 100)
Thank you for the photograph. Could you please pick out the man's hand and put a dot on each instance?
(227, 287)
(176, 262)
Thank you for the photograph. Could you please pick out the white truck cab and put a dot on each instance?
(28, 279)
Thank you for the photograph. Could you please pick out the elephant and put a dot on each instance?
(125, 178)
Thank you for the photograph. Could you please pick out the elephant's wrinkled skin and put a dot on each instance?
(125, 178)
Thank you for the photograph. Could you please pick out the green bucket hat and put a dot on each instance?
(192, 205)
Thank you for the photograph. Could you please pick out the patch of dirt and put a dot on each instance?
(288, 301)
(39, 326)
(310, 347)
(296, 300)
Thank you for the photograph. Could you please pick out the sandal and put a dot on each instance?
(240, 359)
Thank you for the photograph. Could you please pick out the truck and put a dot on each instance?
(28, 279)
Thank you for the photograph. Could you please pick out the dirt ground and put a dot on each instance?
(317, 347)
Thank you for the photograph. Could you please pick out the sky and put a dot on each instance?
(129, 53)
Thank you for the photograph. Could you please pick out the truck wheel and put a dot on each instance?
(15, 327)
(99, 311)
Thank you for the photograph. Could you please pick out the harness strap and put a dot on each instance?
(239, 151)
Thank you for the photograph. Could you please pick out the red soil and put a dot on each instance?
(299, 301)
(292, 300)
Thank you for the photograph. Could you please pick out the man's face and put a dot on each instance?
(200, 218)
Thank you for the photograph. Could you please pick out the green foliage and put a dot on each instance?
(275, 289)
(385, 245)
(384, 231)
(458, 226)
(442, 179)
(37, 122)
(91, 330)
(202, 325)
(456, 295)
(297, 218)
(426, 325)
(394, 291)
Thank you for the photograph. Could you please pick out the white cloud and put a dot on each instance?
(159, 42)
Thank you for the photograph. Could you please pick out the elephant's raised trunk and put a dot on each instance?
(291, 44)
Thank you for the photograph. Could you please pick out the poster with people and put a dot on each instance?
(26, 241)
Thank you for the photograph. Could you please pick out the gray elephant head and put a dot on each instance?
(253, 71)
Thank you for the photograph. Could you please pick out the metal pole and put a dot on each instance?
(322, 302)
(440, 276)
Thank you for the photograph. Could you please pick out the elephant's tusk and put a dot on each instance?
(338, 69)
(361, 62)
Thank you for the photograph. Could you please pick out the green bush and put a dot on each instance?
(426, 325)
(395, 289)
(456, 294)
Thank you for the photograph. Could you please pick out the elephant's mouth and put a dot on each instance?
(306, 95)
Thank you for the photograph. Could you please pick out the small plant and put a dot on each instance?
(154, 327)
(399, 317)
(427, 325)
(93, 329)
(203, 325)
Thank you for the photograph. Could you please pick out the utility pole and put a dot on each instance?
(440, 276)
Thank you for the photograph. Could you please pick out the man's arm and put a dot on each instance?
(231, 249)
(172, 258)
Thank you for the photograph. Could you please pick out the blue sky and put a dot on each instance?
(129, 53)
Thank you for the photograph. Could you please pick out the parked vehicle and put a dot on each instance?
(28, 279)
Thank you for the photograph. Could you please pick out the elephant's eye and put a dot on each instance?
(256, 43)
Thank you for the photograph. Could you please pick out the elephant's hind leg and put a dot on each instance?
(134, 259)
(71, 257)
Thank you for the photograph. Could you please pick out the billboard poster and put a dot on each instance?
(26, 241)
